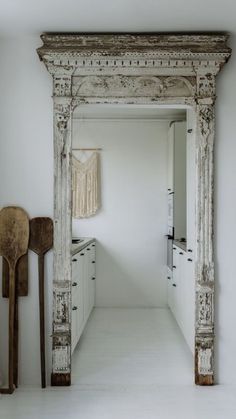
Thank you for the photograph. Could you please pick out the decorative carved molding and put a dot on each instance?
(143, 69)
(133, 86)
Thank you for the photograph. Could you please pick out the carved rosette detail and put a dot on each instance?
(206, 117)
(62, 114)
(206, 84)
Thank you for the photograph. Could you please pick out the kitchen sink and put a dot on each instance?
(76, 241)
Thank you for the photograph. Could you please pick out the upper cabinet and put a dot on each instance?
(170, 157)
(179, 179)
(191, 179)
(177, 175)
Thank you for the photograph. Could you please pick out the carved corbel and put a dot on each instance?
(62, 85)
(62, 78)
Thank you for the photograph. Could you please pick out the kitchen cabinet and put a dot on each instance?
(176, 177)
(191, 181)
(180, 179)
(83, 289)
(170, 159)
(181, 293)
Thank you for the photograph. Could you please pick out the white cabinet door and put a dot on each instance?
(191, 183)
(175, 281)
(189, 306)
(92, 276)
(77, 297)
(83, 290)
(74, 316)
(181, 300)
(181, 286)
(169, 275)
(170, 159)
(87, 251)
(80, 292)
(180, 179)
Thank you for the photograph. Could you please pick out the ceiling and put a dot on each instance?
(128, 112)
(32, 17)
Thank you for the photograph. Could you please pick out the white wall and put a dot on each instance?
(130, 228)
(26, 144)
(26, 173)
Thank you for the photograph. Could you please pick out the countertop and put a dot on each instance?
(180, 244)
(77, 247)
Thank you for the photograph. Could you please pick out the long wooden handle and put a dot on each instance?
(12, 302)
(16, 338)
(41, 317)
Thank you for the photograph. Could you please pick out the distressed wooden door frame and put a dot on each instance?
(140, 69)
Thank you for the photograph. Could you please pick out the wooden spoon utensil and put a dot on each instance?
(14, 238)
(41, 240)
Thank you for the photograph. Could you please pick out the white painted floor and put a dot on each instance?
(130, 364)
(122, 348)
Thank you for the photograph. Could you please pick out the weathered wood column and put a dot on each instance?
(61, 345)
(204, 341)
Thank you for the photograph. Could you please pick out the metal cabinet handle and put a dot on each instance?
(74, 260)
(174, 267)
(93, 261)
(74, 284)
(190, 260)
(93, 278)
(174, 285)
(74, 308)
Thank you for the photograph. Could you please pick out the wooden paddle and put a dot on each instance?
(21, 277)
(41, 240)
(14, 238)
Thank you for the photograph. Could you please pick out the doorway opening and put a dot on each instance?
(133, 261)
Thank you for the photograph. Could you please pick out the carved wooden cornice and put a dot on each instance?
(169, 45)
(72, 51)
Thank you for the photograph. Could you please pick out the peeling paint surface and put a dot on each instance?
(177, 69)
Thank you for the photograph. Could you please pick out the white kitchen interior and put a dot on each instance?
(133, 261)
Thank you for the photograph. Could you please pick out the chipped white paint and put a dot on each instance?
(205, 362)
(135, 69)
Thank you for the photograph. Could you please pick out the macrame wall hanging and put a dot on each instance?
(85, 188)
